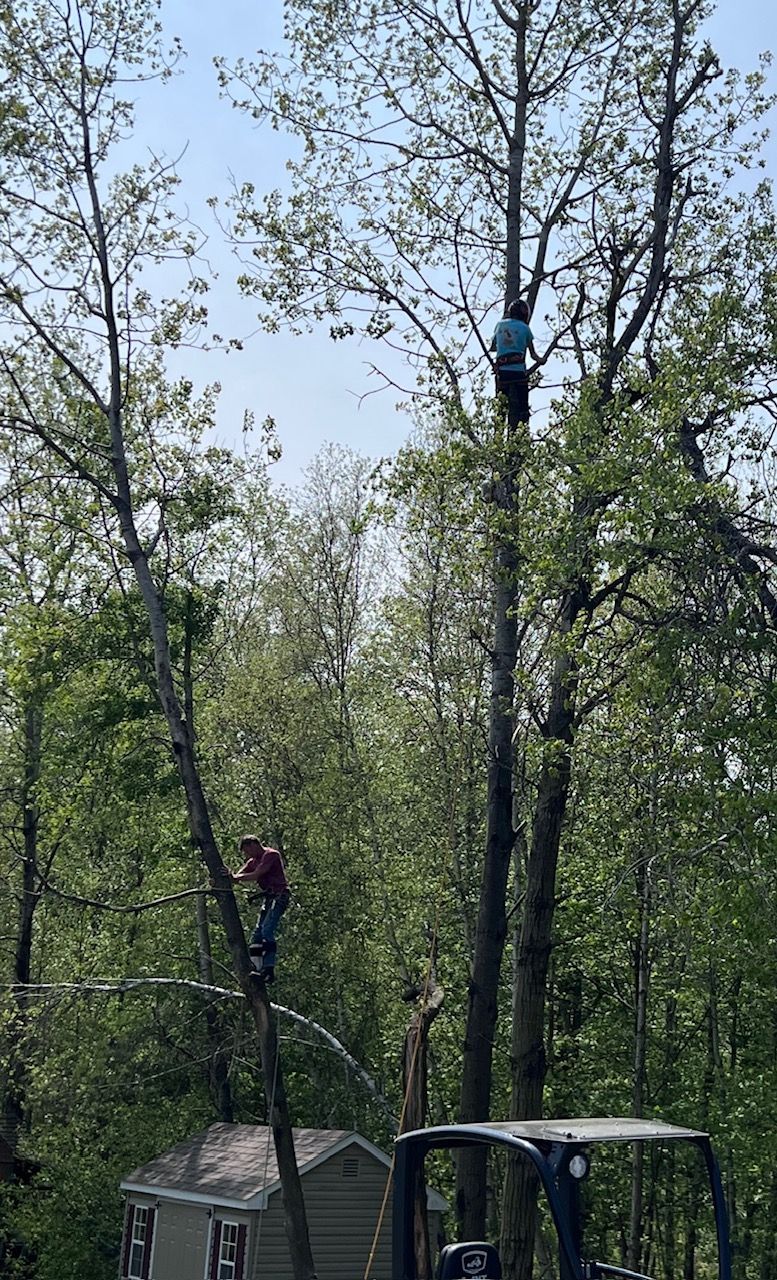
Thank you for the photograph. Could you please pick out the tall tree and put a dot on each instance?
(74, 241)
(581, 152)
(458, 164)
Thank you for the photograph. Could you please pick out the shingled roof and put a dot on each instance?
(235, 1164)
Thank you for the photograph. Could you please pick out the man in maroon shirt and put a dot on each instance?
(264, 867)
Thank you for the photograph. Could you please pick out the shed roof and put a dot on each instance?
(236, 1165)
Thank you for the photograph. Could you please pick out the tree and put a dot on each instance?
(40, 577)
(438, 175)
(74, 243)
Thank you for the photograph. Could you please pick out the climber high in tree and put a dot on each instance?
(512, 339)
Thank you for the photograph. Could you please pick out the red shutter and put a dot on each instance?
(215, 1250)
(129, 1219)
(148, 1244)
(241, 1249)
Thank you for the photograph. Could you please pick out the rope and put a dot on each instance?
(417, 1044)
(414, 1056)
(269, 1135)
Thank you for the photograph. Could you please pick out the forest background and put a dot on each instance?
(511, 696)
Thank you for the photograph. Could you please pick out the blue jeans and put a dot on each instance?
(267, 924)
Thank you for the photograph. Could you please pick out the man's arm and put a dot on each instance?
(257, 867)
(249, 870)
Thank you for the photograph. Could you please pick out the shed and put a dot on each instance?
(210, 1208)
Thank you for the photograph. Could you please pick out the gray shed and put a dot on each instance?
(210, 1208)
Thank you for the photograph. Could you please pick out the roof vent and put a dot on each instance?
(351, 1167)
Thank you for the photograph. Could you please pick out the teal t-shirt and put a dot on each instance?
(512, 337)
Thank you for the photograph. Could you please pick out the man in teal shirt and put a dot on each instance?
(512, 339)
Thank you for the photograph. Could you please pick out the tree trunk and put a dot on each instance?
(14, 1095)
(516, 161)
(696, 1179)
(669, 1231)
(768, 1262)
(642, 975)
(475, 1096)
(218, 1073)
(33, 730)
(531, 969)
(414, 1079)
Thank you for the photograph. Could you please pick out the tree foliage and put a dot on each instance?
(329, 652)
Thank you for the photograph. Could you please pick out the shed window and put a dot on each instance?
(138, 1241)
(351, 1167)
(228, 1251)
(229, 1242)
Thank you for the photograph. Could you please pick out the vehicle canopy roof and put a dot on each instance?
(576, 1132)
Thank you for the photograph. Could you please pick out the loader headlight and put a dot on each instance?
(579, 1166)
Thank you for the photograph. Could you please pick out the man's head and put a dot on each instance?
(518, 310)
(250, 845)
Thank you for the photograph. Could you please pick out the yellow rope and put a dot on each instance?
(414, 1056)
(417, 1044)
(270, 1119)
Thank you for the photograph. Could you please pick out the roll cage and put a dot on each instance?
(550, 1145)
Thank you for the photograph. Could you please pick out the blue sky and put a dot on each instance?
(310, 385)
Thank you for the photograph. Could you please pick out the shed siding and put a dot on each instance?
(342, 1216)
(268, 1249)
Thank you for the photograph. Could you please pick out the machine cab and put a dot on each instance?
(561, 1153)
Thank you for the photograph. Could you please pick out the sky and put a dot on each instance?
(317, 396)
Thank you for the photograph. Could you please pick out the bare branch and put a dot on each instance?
(133, 909)
(125, 985)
